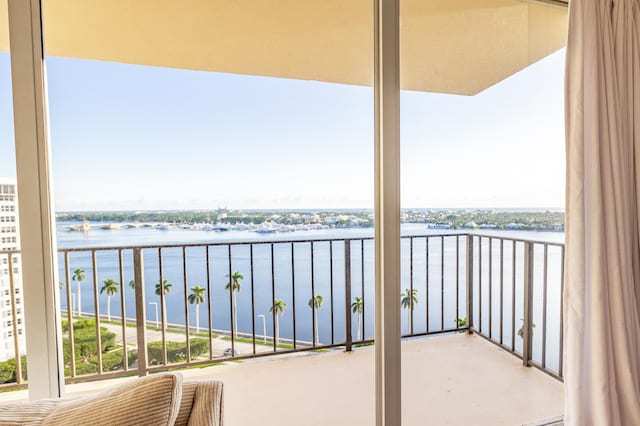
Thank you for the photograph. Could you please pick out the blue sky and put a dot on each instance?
(128, 137)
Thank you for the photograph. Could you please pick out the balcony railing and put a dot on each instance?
(214, 302)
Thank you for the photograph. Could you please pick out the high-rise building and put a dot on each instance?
(11, 315)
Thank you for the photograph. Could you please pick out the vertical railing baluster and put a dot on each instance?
(72, 350)
(426, 281)
(480, 284)
(411, 284)
(347, 294)
(470, 282)
(314, 320)
(490, 287)
(123, 313)
(253, 303)
(141, 315)
(501, 291)
(457, 279)
(442, 283)
(232, 310)
(164, 321)
(96, 303)
(209, 319)
(293, 293)
(364, 299)
(544, 309)
(331, 287)
(513, 296)
(527, 327)
(185, 287)
(273, 298)
(561, 343)
(14, 321)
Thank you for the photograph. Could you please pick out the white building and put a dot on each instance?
(10, 242)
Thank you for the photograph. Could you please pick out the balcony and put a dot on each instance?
(476, 308)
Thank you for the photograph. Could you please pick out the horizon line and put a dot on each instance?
(309, 209)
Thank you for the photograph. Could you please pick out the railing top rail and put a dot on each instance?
(517, 240)
(6, 252)
(292, 241)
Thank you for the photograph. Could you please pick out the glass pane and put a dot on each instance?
(12, 338)
(233, 141)
(482, 154)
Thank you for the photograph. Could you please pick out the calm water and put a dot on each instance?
(292, 273)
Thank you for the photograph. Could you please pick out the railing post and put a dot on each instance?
(527, 326)
(347, 294)
(141, 314)
(470, 282)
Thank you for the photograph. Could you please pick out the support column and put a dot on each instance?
(387, 211)
(37, 222)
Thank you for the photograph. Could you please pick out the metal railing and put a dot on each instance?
(315, 294)
(532, 281)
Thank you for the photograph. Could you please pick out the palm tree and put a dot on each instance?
(357, 307)
(234, 282)
(409, 299)
(164, 288)
(132, 284)
(111, 288)
(315, 304)
(78, 276)
(277, 308)
(197, 297)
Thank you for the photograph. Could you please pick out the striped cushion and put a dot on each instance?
(152, 400)
(26, 413)
(208, 406)
(202, 403)
(186, 403)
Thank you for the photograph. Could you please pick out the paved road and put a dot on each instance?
(219, 344)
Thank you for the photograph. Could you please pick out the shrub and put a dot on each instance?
(176, 351)
(111, 361)
(84, 338)
(8, 370)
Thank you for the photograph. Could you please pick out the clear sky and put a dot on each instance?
(128, 137)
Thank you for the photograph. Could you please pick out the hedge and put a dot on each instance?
(84, 339)
(176, 351)
(111, 361)
(8, 370)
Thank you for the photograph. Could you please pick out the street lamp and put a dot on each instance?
(156, 306)
(264, 329)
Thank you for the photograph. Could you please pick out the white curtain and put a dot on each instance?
(602, 267)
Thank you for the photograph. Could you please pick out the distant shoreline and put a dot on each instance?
(269, 221)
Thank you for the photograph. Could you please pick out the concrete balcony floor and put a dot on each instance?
(448, 380)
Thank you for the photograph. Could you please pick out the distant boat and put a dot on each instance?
(221, 227)
(111, 226)
(266, 228)
(85, 227)
(438, 226)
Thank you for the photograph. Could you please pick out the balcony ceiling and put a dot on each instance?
(447, 46)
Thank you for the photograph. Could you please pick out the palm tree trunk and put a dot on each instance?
(197, 318)
(235, 315)
(277, 336)
(409, 320)
(359, 325)
(164, 315)
(79, 301)
(315, 314)
(108, 308)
